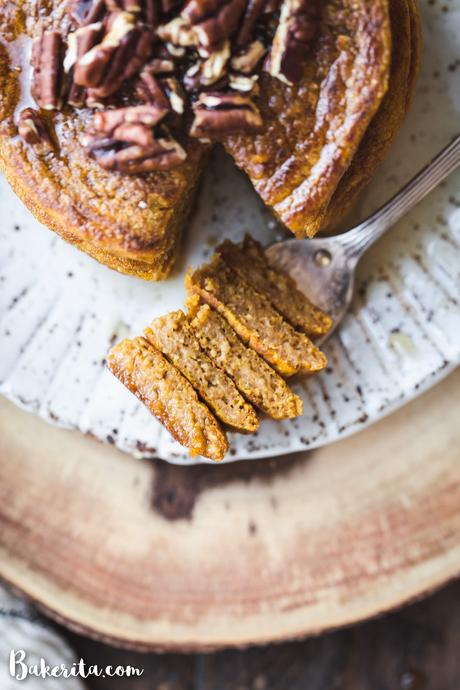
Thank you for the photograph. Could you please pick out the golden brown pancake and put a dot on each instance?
(324, 137)
(321, 142)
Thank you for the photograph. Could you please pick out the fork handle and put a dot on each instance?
(362, 236)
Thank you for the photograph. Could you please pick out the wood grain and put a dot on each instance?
(261, 552)
(415, 648)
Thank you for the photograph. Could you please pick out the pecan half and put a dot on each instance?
(175, 94)
(124, 140)
(34, 132)
(247, 60)
(149, 90)
(203, 22)
(243, 82)
(122, 53)
(253, 11)
(134, 149)
(178, 32)
(210, 71)
(87, 11)
(213, 21)
(160, 65)
(47, 80)
(296, 30)
(107, 121)
(79, 43)
(218, 114)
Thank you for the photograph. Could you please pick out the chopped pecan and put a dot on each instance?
(296, 30)
(175, 94)
(253, 11)
(210, 71)
(203, 22)
(120, 55)
(218, 114)
(178, 32)
(246, 61)
(87, 11)
(34, 132)
(134, 149)
(149, 90)
(213, 21)
(160, 65)
(243, 82)
(79, 43)
(47, 80)
(107, 121)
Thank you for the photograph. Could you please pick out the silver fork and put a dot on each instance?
(324, 268)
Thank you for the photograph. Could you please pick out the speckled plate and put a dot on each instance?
(60, 310)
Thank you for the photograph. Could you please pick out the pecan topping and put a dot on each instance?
(178, 32)
(124, 141)
(47, 56)
(247, 60)
(161, 65)
(296, 30)
(34, 132)
(120, 55)
(213, 21)
(210, 71)
(176, 57)
(218, 114)
(175, 94)
(107, 121)
(254, 9)
(241, 82)
(149, 90)
(79, 43)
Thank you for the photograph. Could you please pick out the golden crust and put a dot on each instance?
(405, 64)
(169, 396)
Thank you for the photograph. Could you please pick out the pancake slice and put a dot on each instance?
(254, 319)
(251, 263)
(169, 396)
(172, 335)
(251, 374)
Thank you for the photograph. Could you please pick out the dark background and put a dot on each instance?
(416, 648)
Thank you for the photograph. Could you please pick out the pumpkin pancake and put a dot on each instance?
(315, 129)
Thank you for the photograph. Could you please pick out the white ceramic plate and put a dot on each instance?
(60, 310)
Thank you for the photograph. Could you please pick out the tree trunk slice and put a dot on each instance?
(152, 556)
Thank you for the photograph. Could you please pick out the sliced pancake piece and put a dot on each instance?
(256, 379)
(254, 319)
(169, 396)
(172, 335)
(250, 261)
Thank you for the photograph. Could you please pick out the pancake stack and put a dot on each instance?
(309, 145)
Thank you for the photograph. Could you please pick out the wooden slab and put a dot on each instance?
(153, 556)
